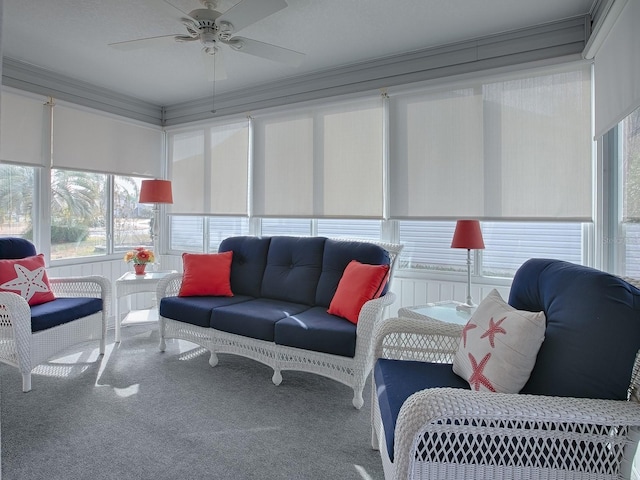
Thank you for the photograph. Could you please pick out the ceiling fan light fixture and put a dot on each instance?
(225, 30)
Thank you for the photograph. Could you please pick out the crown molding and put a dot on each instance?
(25, 76)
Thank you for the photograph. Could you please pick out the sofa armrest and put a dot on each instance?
(169, 286)
(417, 339)
(15, 323)
(482, 433)
(369, 318)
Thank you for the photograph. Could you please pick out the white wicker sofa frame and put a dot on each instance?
(484, 435)
(351, 371)
(24, 349)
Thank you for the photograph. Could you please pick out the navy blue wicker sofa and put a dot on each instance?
(572, 418)
(282, 288)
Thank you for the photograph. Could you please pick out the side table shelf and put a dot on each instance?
(130, 284)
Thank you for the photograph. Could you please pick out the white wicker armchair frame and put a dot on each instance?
(449, 433)
(352, 372)
(21, 348)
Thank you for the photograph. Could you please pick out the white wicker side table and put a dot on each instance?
(443, 322)
(440, 311)
(129, 284)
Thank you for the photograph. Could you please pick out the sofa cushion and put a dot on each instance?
(255, 318)
(293, 268)
(249, 262)
(337, 255)
(206, 274)
(587, 311)
(317, 330)
(499, 345)
(196, 310)
(26, 277)
(397, 380)
(360, 283)
(62, 310)
(15, 247)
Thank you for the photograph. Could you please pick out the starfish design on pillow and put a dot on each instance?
(27, 282)
(467, 327)
(494, 328)
(478, 378)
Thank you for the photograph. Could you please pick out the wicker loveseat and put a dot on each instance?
(282, 288)
(31, 334)
(576, 417)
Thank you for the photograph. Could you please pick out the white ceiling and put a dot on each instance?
(72, 37)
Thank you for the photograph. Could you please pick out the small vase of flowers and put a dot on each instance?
(140, 256)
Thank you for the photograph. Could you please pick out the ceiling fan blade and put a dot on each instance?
(247, 12)
(266, 50)
(171, 10)
(214, 64)
(144, 42)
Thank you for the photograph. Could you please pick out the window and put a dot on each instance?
(366, 229)
(131, 220)
(78, 214)
(427, 245)
(322, 161)
(630, 160)
(223, 227)
(510, 244)
(17, 185)
(513, 150)
(81, 219)
(187, 232)
(287, 226)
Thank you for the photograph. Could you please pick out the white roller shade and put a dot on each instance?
(503, 148)
(23, 128)
(323, 161)
(209, 170)
(90, 140)
(617, 66)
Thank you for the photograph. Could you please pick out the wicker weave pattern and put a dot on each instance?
(21, 348)
(352, 372)
(451, 433)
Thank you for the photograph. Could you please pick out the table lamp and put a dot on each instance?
(156, 192)
(468, 235)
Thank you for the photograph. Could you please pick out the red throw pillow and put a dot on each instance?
(206, 274)
(360, 283)
(26, 277)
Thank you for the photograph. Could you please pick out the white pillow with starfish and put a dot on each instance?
(499, 345)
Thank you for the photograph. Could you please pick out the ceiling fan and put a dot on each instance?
(215, 30)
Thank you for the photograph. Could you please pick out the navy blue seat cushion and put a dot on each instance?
(196, 310)
(593, 328)
(62, 310)
(248, 264)
(397, 380)
(15, 247)
(255, 318)
(318, 331)
(293, 268)
(336, 257)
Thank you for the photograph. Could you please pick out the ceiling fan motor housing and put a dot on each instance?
(210, 31)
